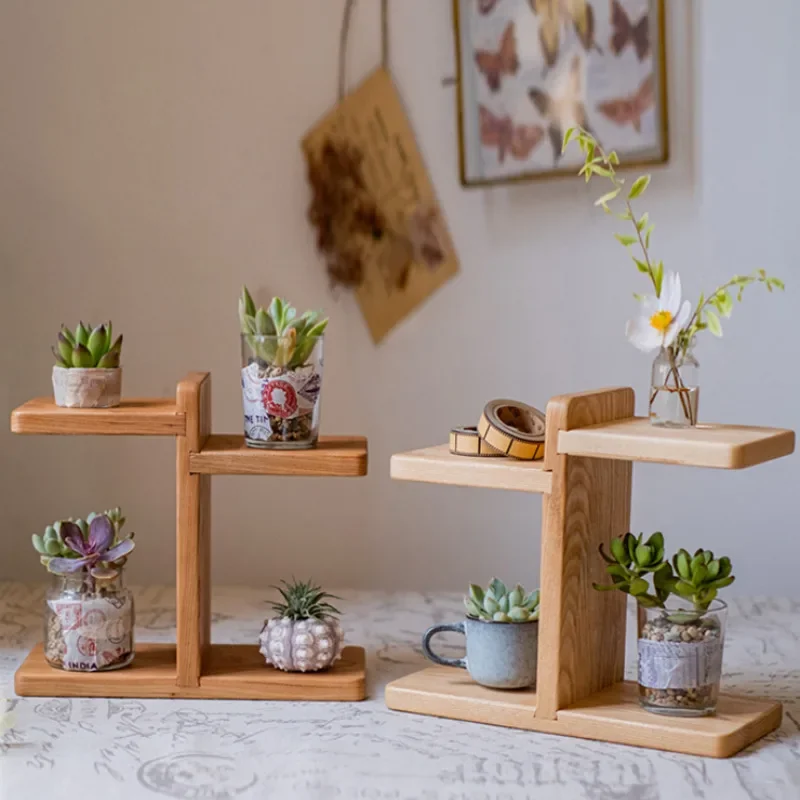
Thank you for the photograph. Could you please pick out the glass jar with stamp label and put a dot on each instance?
(680, 658)
(89, 619)
(281, 387)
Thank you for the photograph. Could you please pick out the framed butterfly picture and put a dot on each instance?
(530, 69)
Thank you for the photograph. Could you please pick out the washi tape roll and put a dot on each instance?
(513, 428)
(467, 442)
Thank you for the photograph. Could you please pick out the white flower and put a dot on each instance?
(661, 317)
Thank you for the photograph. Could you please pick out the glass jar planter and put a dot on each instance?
(88, 624)
(281, 402)
(674, 389)
(680, 659)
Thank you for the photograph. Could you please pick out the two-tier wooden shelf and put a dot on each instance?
(585, 480)
(195, 667)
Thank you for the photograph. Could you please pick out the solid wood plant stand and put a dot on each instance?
(194, 666)
(585, 479)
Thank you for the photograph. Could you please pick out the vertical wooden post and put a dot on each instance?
(193, 532)
(582, 631)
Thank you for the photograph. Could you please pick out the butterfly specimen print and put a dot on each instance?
(487, 6)
(502, 133)
(625, 32)
(563, 110)
(504, 61)
(629, 110)
(556, 14)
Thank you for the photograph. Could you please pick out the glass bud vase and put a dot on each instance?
(674, 389)
(680, 659)
(88, 624)
(281, 386)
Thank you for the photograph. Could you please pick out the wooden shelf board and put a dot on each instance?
(227, 454)
(718, 446)
(134, 417)
(613, 715)
(233, 672)
(238, 672)
(438, 465)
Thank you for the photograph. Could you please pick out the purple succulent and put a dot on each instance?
(93, 551)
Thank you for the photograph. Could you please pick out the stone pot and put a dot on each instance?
(500, 655)
(77, 387)
(306, 645)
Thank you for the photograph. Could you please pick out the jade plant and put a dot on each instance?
(277, 335)
(499, 604)
(95, 545)
(88, 347)
(696, 578)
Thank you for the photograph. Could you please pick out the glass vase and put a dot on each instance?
(680, 659)
(281, 387)
(88, 624)
(674, 389)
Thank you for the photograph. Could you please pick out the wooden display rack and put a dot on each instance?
(585, 480)
(195, 667)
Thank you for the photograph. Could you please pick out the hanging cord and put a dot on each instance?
(345, 31)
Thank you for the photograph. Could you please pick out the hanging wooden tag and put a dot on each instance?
(374, 207)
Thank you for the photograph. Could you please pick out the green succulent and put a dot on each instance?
(630, 562)
(277, 335)
(88, 347)
(499, 604)
(699, 577)
(304, 600)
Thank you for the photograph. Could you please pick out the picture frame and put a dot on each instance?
(526, 70)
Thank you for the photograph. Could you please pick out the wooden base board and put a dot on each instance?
(233, 672)
(613, 715)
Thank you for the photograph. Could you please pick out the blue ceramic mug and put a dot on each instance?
(500, 655)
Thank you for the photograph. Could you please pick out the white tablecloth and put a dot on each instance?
(121, 749)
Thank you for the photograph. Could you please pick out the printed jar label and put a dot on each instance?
(673, 665)
(90, 634)
(286, 395)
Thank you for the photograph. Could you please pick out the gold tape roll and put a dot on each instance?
(467, 442)
(513, 428)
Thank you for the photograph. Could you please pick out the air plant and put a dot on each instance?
(696, 578)
(94, 545)
(277, 336)
(88, 347)
(499, 604)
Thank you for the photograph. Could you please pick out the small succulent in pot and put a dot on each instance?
(87, 373)
(305, 636)
(681, 622)
(89, 614)
(281, 373)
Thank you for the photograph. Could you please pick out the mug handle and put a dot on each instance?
(455, 627)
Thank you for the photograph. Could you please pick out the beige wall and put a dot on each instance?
(149, 165)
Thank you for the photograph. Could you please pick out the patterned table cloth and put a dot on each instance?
(121, 749)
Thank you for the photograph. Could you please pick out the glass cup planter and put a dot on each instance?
(680, 659)
(674, 389)
(88, 624)
(281, 402)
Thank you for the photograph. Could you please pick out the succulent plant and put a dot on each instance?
(698, 578)
(277, 335)
(88, 347)
(499, 604)
(632, 560)
(306, 635)
(94, 544)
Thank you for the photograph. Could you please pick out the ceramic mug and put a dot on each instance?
(500, 655)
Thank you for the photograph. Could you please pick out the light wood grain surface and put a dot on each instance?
(438, 465)
(582, 631)
(612, 715)
(134, 417)
(193, 532)
(718, 446)
(235, 672)
(335, 456)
